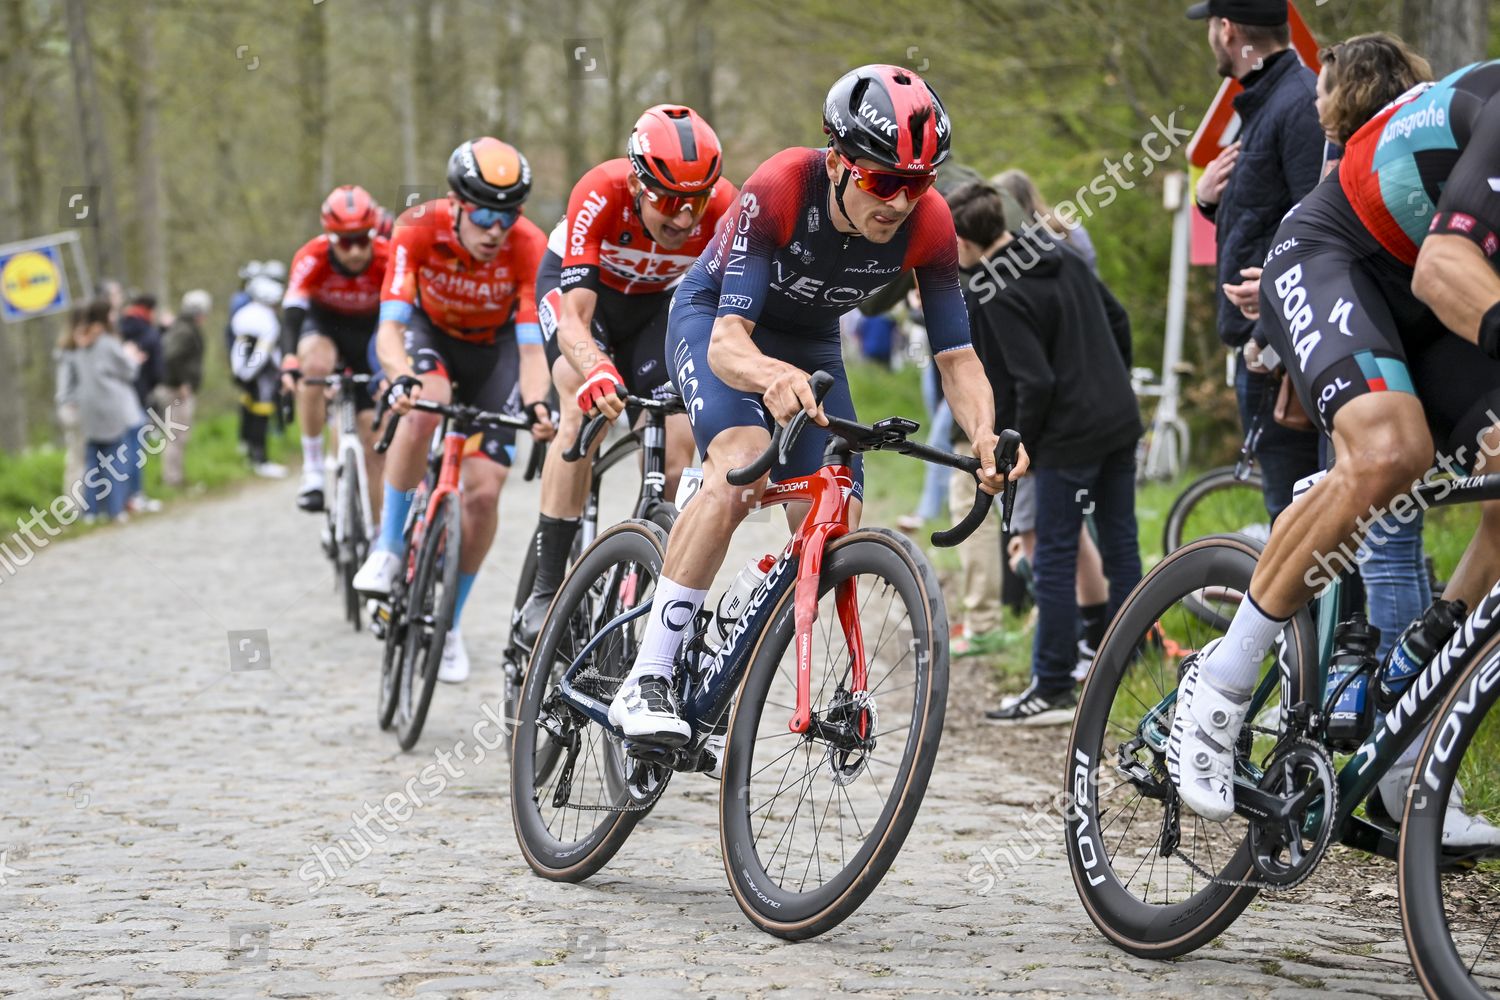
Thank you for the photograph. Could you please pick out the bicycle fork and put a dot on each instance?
(810, 570)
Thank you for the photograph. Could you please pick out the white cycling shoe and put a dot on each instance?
(455, 666)
(1200, 749)
(378, 573)
(647, 711)
(1461, 830)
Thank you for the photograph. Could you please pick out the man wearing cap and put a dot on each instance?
(1245, 192)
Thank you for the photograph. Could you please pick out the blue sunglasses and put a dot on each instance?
(484, 218)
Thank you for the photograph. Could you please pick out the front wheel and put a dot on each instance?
(575, 796)
(810, 822)
(1450, 901)
(1137, 855)
(429, 613)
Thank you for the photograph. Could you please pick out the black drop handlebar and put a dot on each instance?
(891, 434)
(599, 423)
(462, 415)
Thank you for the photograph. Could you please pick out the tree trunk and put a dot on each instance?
(1450, 33)
(424, 86)
(699, 70)
(407, 100)
(617, 32)
(575, 154)
(316, 175)
(510, 71)
(97, 168)
(148, 197)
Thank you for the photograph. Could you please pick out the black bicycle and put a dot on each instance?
(649, 437)
(1161, 881)
(415, 618)
(831, 685)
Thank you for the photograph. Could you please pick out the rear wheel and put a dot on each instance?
(1137, 856)
(1450, 901)
(429, 613)
(575, 797)
(810, 822)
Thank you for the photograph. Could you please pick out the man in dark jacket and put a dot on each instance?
(1245, 192)
(182, 348)
(1056, 346)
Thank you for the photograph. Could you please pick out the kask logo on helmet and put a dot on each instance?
(876, 118)
(466, 157)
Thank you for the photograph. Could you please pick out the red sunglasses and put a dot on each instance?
(351, 239)
(886, 184)
(672, 205)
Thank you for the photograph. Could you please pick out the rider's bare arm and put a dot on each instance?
(390, 347)
(973, 403)
(734, 358)
(574, 324)
(1456, 281)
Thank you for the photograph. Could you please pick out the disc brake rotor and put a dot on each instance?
(857, 715)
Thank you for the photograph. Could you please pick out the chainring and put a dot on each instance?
(1282, 852)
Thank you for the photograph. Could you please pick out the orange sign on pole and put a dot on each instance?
(1221, 127)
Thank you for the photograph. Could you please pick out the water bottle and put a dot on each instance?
(1352, 715)
(736, 599)
(1416, 648)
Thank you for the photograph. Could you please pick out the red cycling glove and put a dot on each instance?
(602, 380)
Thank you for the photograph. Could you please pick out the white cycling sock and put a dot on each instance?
(674, 608)
(312, 454)
(1233, 666)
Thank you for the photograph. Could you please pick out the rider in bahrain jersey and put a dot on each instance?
(1383, 302)
(634, 226)
(458, 321)
(814, 233)
(327, 317)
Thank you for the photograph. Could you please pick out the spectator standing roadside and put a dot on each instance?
(1019, 185)
(1246, 191)
(65, 399)
(1056, 346)
(255, 360)
(138, 326)
(182, 352)
(108, 408)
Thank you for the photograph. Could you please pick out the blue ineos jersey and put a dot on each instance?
(779, 261)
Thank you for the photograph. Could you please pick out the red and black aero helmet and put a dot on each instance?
(889, 115)
(673, 148)
(350, 209)
(489, 173)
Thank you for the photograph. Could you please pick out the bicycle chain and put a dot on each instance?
(1246, 883)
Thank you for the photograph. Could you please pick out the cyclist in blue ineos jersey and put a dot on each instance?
(1383, 299)
(814, 233)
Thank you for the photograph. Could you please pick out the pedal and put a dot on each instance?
(379, 614)
(651, 753)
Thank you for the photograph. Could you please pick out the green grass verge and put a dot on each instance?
(34, 478)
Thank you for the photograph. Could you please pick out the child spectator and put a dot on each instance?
(108, 408)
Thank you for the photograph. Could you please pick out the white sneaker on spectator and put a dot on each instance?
(455, 666)
(142, 504)
(1461, 829)
(270, 470)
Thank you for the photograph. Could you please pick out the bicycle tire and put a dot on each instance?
(631, 542)
(1440, 969)
(353, 544)
(441, 543)
(769, 904)
(394, 654)
(1195, 493)
(1140, 927)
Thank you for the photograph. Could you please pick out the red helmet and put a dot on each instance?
(673, 148)
(889, 115)
(350, 209)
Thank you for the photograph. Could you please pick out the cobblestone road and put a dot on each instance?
(162, 816)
